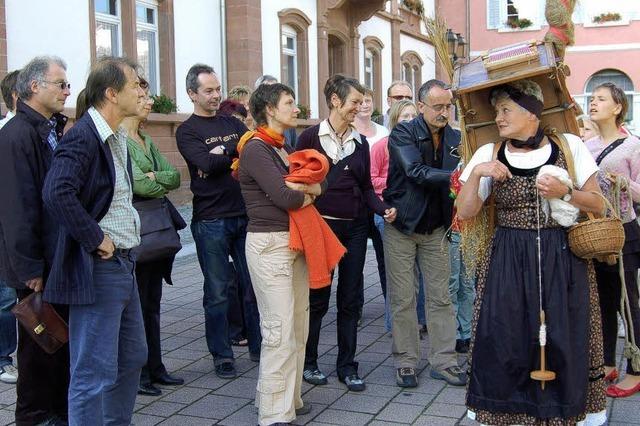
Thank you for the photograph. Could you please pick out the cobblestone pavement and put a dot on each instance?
(206, 400)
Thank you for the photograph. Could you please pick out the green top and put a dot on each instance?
(142, 161)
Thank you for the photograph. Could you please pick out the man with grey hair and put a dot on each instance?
(398, 90)
(208, 142)
(422, 155)
(28, 233)
(265, 79)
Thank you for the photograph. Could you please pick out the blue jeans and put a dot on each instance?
(107, 347)
(8, 334)
(422, 319)
(461, 288)
(216, 240)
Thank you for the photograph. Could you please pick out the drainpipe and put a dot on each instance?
(223, 45)
(468, 28)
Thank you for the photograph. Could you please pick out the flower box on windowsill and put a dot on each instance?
(606, 17)
(508, 29)
(519, 24)
(415, 6)
(606, 24)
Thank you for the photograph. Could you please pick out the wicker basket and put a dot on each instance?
(601, 238)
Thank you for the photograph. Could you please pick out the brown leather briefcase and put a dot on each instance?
(42, 322)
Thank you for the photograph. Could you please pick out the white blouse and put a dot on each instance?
(585, 165)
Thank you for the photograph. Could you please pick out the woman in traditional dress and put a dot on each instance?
(618, 155)
(505, 346)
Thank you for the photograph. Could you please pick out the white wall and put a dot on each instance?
(380, 28)
(424, 50)
(271, 42)
(197, 39)
(50, 28)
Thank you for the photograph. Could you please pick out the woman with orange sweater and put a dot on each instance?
(278, 274)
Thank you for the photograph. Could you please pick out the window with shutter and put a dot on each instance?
(493, 14)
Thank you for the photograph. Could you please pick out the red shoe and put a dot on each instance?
(615, 392)
(612, 376)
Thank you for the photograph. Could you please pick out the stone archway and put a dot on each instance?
(337, 55)
(338, 38)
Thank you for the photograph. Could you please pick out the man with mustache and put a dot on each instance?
(208, 141)
(422, 155)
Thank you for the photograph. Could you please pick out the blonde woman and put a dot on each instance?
(588, 128)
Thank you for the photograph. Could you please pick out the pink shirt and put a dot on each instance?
(623, 160)
(379, 165)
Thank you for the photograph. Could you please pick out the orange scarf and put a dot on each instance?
(308, 232)
(265, 134)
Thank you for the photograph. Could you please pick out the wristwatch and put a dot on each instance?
(567, 197)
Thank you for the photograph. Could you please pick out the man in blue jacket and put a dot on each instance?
(422, 154)
(27, 233)
(89, 191)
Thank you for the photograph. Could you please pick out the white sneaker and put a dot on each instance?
(8, 374)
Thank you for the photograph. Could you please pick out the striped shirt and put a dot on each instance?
(121, 222)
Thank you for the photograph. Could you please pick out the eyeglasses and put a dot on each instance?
(60, 84)
(401, 97)
(440, 107)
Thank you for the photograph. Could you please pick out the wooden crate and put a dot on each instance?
(472, 85)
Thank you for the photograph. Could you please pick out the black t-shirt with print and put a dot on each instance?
(217, 194)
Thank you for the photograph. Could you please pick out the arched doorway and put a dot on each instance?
(337, 55)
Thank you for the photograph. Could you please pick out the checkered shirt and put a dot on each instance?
(121, 222)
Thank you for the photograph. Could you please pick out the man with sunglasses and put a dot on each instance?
(28, 233)
(397, 91)
(422, 155)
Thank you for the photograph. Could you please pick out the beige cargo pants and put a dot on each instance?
(280, 282)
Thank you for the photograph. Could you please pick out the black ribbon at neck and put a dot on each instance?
(533, 142)
(608, 149)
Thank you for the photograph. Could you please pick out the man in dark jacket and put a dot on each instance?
(89, 191)
(27, 233)
(422, 154)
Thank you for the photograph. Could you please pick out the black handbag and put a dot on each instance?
(159, 222)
